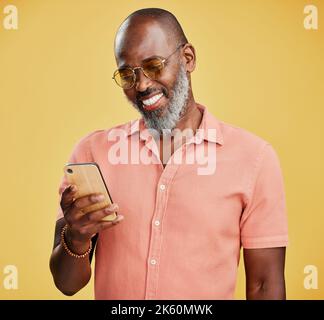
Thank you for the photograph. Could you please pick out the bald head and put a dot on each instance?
(136, 27)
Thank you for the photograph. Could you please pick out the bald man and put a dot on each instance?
(179, 228)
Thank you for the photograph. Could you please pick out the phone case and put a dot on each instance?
(88, 179)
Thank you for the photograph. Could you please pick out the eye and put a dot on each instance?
(153, 64)
(153, 67)
(126, 74)
(124, 77)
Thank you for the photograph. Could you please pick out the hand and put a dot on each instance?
(82, 227)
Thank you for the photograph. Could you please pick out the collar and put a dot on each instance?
(208, 130)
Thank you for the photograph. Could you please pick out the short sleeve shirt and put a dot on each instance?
(185, 223)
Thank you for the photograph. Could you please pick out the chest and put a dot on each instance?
(167, 146)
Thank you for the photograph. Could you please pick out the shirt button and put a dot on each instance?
(157, 222)
(153, 261)
(162, 186)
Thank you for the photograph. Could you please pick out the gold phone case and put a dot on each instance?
(88, 179)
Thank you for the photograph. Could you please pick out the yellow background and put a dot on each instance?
(257, 68)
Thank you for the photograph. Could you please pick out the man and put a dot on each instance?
(181, 231)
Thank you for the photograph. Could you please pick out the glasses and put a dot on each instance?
(151, 67)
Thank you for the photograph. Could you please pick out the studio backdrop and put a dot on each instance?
(260, 66)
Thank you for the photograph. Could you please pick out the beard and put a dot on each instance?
(165, 119)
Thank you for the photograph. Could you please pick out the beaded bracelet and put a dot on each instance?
(78, 256)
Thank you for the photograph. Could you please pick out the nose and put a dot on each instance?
(142, 81)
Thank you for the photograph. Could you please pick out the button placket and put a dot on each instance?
(156, 231)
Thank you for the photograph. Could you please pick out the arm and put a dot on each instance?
(71, 274)
(264, 270)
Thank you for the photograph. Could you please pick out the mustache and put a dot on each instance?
(149, 91)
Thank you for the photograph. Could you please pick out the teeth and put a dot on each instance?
(152, 100)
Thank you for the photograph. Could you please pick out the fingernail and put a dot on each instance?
(118, 219)
(97, 198)
(111, 208)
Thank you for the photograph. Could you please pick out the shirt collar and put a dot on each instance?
(208, 130)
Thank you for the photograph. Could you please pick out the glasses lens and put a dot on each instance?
(153, 68)
(124, 78)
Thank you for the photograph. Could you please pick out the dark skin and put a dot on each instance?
(71, 274)
(264, 268)
(151, 40)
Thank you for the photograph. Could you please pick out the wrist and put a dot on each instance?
(72, 246)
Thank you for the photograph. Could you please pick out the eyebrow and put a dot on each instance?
(128, 66)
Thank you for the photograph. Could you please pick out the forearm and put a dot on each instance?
(75, 239)
(70, 274)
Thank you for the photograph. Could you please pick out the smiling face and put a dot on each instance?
(161, 101)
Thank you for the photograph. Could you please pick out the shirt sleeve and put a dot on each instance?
(264, 220)
(80, 153)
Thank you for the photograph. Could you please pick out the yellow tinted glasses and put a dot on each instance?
(152, 67)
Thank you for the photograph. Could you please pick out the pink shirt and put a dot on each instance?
(182, 232)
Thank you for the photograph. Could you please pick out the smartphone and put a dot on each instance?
(88, 179)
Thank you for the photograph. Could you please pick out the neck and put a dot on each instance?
(190, 120)
(192, 117)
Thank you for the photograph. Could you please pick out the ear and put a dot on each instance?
(189, 56)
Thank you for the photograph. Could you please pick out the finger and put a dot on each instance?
(93, 229)
(68, 196)
(108, 224)
(97, 215)
(80, 206)
(88, 200)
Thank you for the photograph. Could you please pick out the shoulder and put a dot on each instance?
(246, 146)
(239, 136)
(242, 140)
(232, 137)
(95, 140)
(101, 134)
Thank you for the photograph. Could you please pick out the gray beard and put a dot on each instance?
(173, 111)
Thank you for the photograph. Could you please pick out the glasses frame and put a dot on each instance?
(163, 61)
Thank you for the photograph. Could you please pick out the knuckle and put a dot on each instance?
(83, 231)
(62, 204)
(71, 218)
(90, 217)
(104, 212)
(67, 219)
(67, 214)
(101, 226)
(77, 204)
